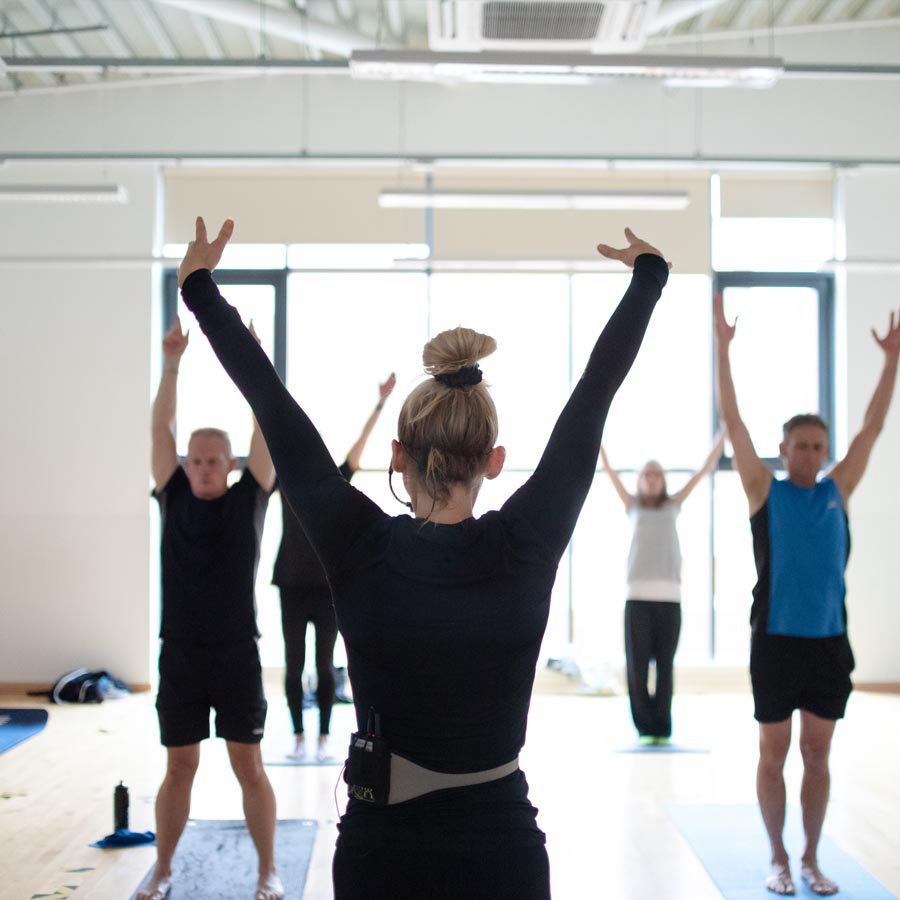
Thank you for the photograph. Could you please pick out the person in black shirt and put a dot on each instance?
(442, 613)
(306, 597)
(208, 659)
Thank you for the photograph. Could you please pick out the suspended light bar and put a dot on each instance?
(523, 199)
(425, 65)
(63, 193)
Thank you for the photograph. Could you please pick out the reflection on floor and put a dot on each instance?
(604, 812)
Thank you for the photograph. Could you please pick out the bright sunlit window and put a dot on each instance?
(345, 331)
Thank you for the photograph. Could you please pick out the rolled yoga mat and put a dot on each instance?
(216, 860)
(731, 843)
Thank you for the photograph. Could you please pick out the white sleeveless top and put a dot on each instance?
(654, 561)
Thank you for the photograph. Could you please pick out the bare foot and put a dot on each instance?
(269, 888)
(779, 880)
(323, 751)
(816, 881)
(157, 888)
(299, 751)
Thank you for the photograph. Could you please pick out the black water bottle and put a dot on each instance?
(120, 807)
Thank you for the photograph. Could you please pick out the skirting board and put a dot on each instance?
(8, 688)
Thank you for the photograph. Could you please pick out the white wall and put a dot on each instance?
(75, 368)
(872, 204)
(75, 353)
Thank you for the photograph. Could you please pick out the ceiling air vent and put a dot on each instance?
(541, 21)
(615, 26)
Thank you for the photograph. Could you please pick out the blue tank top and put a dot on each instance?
(809, 543)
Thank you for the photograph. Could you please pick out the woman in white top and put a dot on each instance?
(653, 605)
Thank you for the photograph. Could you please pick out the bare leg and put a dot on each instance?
(259, 811)
(815, 747)
(173, 805)
(774, 741)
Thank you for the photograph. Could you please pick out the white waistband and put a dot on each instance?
(409, 780)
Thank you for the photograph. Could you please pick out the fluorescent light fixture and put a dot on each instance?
(861, 265)
(63, 193)
(523, 199)
(425, 65)
(354, 256)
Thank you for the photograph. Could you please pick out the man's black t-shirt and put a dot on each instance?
(297, 564)
(209, 554)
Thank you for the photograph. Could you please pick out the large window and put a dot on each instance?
(335, 335)
(781, 362)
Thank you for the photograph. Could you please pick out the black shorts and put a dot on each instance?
(194, 678)
(791, 673)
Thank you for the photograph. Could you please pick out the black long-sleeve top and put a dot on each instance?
(442, 623)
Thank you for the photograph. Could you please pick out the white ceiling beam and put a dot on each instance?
(206, 32)
(107, 10)
(675, 12)
(24, 44)
(840, 10)
(396, 19)
(876, 9)
(280, 23)
(792, 13)
(44, 14)
(750, 15)
(158, 32)
(94, 10)
(668, 40)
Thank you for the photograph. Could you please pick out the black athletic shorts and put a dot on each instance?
(194, 678)
(791, 673)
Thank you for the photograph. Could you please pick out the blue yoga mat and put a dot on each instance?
(732, 844)
(17, 725)
(216, 860)
(308, 761)
(650, 749)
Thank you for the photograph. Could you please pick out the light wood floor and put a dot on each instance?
(603, 811)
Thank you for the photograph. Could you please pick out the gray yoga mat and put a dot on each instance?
(216, 860)
(731, 843)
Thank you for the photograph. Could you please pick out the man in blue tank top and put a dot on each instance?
(800, 656)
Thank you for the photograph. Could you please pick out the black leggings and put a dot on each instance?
(409, 873)
(299, 606)
(651, 632)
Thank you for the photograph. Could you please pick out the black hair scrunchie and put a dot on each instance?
(463, 378)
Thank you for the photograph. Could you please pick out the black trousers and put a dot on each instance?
(651, 632)
(409, 873)
(300, 606)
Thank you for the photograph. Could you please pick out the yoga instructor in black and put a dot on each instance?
(442, 613)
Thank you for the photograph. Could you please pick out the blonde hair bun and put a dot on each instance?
(458, 348)
(449, 432)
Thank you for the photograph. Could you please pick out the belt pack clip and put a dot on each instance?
(368, 769)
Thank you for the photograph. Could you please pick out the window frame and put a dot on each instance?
(823, 284)
(274, 278)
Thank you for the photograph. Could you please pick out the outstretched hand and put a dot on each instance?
(384, 390)
(890, 343)
(175, 342)
(203, 254)
(630, 253)
(724, 331)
